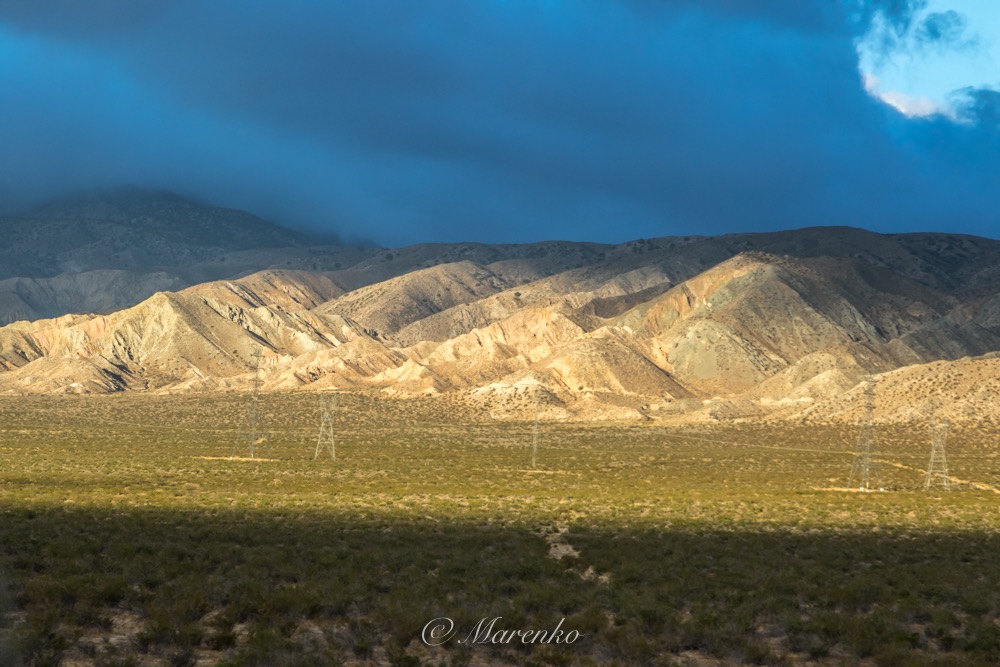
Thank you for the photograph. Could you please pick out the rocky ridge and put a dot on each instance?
(748, 326)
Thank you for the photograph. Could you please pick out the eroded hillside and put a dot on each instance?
(745, 326)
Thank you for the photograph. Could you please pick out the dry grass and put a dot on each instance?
(128, 536)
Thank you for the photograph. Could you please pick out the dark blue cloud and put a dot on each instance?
(946, 28)
(980, 108)
(904, 26)
(494, 120)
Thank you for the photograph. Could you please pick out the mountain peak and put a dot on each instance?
(131, 229)
(105, 201)
(162, 212)
(709, 328)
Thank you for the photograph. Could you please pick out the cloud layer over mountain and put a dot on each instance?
(493, 121)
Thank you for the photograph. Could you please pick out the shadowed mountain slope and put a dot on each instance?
(783, 324)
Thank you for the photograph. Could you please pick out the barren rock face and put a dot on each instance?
(751, 325)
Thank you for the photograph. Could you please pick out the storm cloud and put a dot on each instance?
(493, 120)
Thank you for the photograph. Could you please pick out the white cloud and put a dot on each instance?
(945, 47)
(908, 105)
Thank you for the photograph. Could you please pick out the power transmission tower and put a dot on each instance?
(254, 436)
(866, 471)
(534, 434)
(937, 469)
(327, 438)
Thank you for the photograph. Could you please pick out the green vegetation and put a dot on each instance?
(128, 537)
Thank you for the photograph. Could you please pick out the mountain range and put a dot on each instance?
(138, 291)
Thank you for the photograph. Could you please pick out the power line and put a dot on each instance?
(937, 469)
(534, 434)
(253, 435)
(327, 438)
(866, 470)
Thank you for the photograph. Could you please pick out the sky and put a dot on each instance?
(514, 120)
(947, 46)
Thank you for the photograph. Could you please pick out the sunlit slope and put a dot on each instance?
(744, 326)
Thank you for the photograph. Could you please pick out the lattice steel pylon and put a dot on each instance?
(937, 469)
(534, 433)
(253, 435)
(866, 470)
(327, 439)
